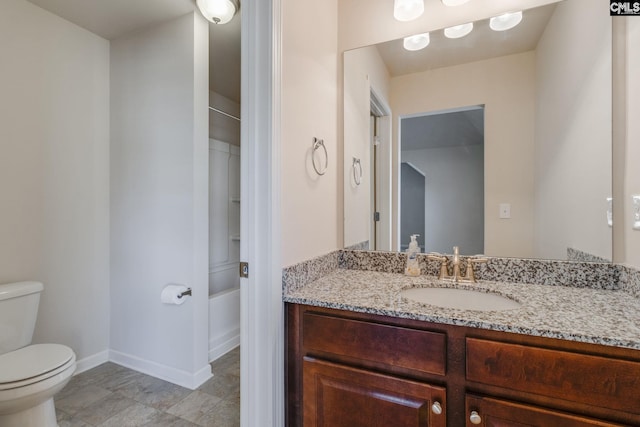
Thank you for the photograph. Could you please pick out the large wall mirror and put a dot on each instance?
(498, 142)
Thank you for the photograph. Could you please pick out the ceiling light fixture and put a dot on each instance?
(417, 42)
(506, 21)
(454, 2)
(217, 11)
(458, 31)
(407, 10)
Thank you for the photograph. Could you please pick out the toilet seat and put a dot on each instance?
(32, 364)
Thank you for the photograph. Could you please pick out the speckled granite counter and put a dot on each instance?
(600, 316)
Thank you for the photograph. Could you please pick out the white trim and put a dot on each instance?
(219, 346)
(167, 373)
(91, 362)
(262, 310)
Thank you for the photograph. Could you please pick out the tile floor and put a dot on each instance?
(113, 396)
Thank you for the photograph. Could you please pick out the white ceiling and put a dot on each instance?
(481, 43)
(111, 19)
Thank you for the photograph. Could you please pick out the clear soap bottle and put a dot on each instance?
(413, 267)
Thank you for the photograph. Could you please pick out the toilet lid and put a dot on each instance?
(32, 361)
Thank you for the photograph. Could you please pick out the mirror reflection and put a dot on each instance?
(498, 142)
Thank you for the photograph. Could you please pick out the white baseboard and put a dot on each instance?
(167, 373)
(223, 344)
(92, 361)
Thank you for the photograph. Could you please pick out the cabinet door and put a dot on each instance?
(500, 413)
(339, 396)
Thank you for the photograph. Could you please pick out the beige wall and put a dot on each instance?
(310, 212)
(363, 71)
(632, 177)
(573, 132)
(505, 86)
(54, 172)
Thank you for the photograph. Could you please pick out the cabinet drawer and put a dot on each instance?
(500, 413)
(379, 344)
(592, 380)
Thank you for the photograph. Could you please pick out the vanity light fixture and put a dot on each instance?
(506, 21)
(407, 10)
(454, 2)
(458, 31)
(217, 11)
(417, 42)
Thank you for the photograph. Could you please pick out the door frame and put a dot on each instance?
(262, 309)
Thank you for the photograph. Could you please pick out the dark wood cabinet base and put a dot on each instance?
(360, 370)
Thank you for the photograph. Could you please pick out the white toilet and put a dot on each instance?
(29, 374)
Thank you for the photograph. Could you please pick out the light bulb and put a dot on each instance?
(454, 2)
(407, 10)
(417, 42)
(458, 31)
(217, 11)
(506, 21)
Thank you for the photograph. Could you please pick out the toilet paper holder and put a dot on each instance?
(185, 293)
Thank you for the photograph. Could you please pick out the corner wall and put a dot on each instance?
(632, 172)
(54, 174)
(573, 147)
(159, 199)
(364, 70)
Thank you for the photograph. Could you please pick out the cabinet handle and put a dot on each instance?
(475, 418)
(436, 408)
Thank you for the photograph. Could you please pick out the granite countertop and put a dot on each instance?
(608, 317)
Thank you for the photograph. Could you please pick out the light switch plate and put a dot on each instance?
(505, 210)
(636, 211)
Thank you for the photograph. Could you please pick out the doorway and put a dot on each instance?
(447, 148)
(225, 201)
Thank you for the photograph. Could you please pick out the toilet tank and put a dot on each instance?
(18, 313)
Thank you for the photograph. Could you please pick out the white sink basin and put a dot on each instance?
(461, 299)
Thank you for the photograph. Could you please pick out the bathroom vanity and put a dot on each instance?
(566, 357)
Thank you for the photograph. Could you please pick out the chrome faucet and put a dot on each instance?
(457, 276)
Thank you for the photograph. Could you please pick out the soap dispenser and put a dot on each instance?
(413, 267)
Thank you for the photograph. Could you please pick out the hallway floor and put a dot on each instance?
(113, 396)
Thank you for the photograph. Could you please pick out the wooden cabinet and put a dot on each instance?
(356, 369)
(340, 396)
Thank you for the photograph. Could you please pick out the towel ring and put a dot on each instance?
(317, 143)
(357, 171)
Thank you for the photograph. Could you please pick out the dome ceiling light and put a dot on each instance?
(458, 31)
(217, 11)
(407, 10)
(506, 21)
(417, 42)
(454, 2)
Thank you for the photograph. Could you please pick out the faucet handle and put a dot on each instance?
(436, 256)
(442, 259)
(469, 274)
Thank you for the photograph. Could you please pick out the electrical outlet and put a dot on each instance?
(636, 211)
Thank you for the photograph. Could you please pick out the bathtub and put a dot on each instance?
(224, 322)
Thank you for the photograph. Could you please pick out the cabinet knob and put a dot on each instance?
(436, 408)
(475, 418)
